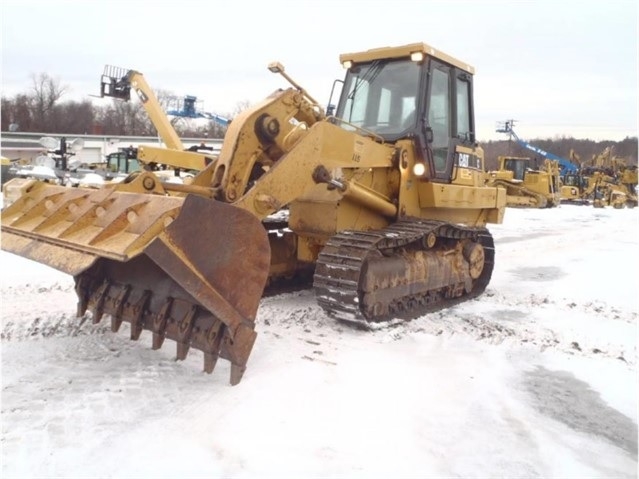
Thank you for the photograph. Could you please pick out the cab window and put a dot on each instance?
(439, 116)
(381, 97)
(463, 109)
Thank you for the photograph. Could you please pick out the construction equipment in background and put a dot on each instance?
(117, 83)
(605, 180)
(187, 108)
(116, 167)
(609, 196)
(573, 188)
(526, 185)
(56, 166)
(610, 191)
(120, 164)
(621, 175)
(565, 166)
(592, 187)
(383, 205)
(607, 161)
(627, 177)
(575, 158)
(573, 185)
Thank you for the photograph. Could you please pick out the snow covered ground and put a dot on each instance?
(536, 378)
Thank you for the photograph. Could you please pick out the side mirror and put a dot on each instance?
(337, 90)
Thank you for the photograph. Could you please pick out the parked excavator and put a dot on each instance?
(573, 189)
(526, 185)
(384, 205)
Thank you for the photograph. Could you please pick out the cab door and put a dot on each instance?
(438, 121)
(449, 119)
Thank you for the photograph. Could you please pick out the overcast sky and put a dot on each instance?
(558, 67)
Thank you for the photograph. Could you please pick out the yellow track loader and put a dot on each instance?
(383, 206)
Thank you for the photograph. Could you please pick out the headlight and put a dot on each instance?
(419, 169)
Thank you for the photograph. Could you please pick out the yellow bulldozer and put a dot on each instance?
(526, 185)
(383, 205)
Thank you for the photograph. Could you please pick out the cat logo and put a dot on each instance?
(464, 161)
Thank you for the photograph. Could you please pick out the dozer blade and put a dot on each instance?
(189, 269)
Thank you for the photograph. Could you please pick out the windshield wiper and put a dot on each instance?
(369, 76)
(371, 73)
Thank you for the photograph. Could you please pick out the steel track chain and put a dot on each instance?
(340, 267)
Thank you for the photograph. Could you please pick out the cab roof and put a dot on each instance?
(385, 53)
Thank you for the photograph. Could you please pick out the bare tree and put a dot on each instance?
(45, 92)
(17, 111)
(73, 117)
(240, 106)
(130, 118)
(167, 99)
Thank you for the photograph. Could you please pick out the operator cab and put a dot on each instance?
(576, 180)
(412, 91)
(518, 167)
(122, 162)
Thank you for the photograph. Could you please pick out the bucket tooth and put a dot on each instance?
(158, 339)
(116, 322)
(82, 289)
(97, 300)
(211, 346)
(120, 301)
(137, 321)
(182, 351)
(185, 327)
(209, 362)
(238, 349)
(236, 374)
(158, 327)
